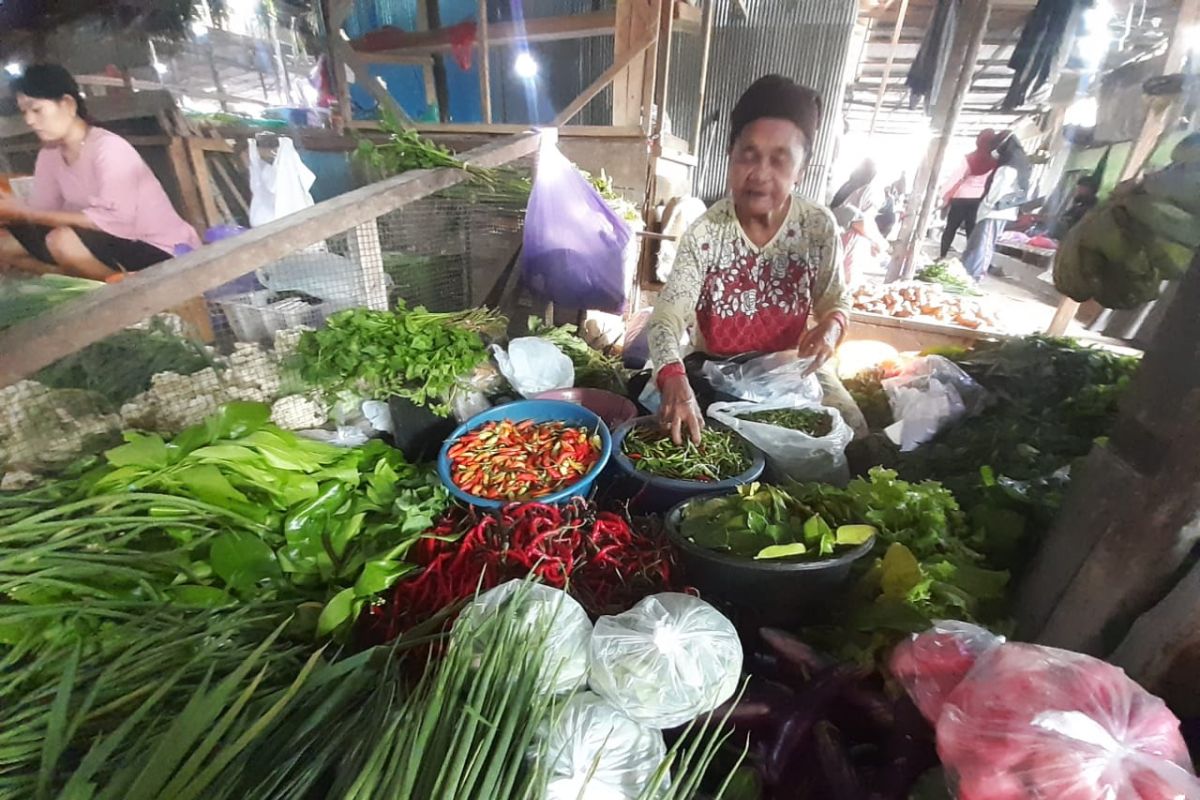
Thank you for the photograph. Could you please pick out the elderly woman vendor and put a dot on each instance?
(97, 210)
(761, 271)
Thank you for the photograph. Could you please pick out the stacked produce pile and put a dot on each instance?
(918, 299)
(1146, 233)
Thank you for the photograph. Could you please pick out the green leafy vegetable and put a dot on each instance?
(765, 522)
(592, 368)
(414, 354)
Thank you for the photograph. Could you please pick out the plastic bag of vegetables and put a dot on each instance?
(547, 611)
(665, 661)
(595, 748)
(803, 441)
(1026, 722)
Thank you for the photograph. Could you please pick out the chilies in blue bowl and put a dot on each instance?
(538, 411)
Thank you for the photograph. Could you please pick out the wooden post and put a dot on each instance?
(710, 15)
(212, 215)
(635, 18)
(193, 212)
(216, 75)
(485, 68)
(1158, 115)
(887, 65)
(1132, 514)
(663, 69)
(968, 37)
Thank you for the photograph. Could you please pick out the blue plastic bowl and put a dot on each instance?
(538, 411)
(659, 495)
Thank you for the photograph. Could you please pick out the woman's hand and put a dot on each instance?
(679, 412)
(820, 342)
(12, 210)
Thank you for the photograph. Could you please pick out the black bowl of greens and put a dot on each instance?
(665, 474)
(762, 551)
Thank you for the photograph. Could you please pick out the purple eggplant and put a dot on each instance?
(837, 769)
(908, 752)
(794, 654)
(810, 707)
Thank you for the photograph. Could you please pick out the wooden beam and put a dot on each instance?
(33, 344)
(536, 29)
(142, 86)
(600, 84)
(485, 66)
(968, 37)
(887, 67)
(506, 129)
(634, 19)
(710, 15)
(688, 18)
(212, 215)
(193, 211)
(371, 83)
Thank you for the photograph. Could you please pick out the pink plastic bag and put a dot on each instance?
(1026, 722)
(574, 244)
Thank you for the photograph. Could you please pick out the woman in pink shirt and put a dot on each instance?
(967, 187)
(97, 210)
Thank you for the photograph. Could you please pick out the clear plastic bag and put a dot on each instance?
(793, 454)
(532, 366)
(665, 661)
(592, 744)
(545, 610)
(928, 394)
(573, 251)
(1028, 722)
(775, 376)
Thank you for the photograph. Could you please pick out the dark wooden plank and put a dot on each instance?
(27, 347)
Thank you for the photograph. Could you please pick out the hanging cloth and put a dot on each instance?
(925, 76)
(1037, 50)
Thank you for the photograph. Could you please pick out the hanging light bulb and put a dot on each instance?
(525, 66)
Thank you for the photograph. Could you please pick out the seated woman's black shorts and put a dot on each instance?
(113, 251)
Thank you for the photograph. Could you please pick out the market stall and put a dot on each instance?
(375, 538)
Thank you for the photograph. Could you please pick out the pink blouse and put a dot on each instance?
(114, 187)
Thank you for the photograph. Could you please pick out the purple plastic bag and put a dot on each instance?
(573, 252)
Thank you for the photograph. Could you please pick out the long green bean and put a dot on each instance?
(719, 456)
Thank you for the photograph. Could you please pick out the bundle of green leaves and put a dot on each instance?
(232, 510)
(926, 567)
(414, 354)
(592, 368)
(1009, 465)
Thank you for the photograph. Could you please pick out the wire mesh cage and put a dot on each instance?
(236, 341)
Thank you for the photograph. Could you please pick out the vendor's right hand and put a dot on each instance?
(679, 412)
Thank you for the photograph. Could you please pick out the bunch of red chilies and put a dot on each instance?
(508, 460)
(595, 555)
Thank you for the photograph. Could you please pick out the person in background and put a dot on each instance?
(761, 271)
(96, 210)
(965, 189)
(1087, 190)
(1006, 190)
(862, 241)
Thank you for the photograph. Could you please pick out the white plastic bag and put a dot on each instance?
(593, 745)
(533, 366)
(545, 611)
(775, 376)
(794, 454)
(665, 661)
(927, 395)
(280, 187)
